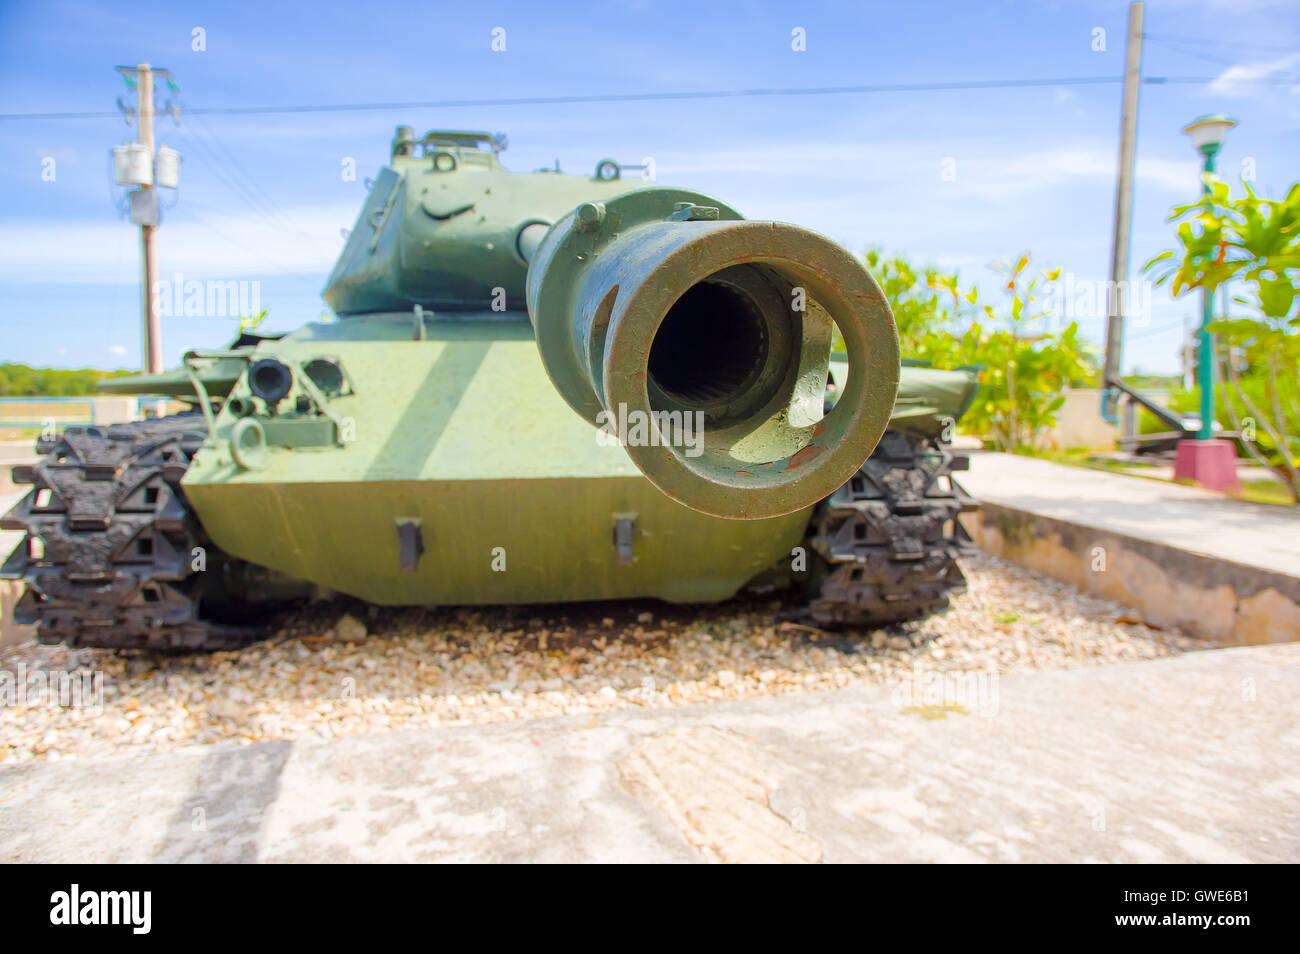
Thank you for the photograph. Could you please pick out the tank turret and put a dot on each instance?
(655, 307)
(447, 228)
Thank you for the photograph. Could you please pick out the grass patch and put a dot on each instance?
(1266, 492)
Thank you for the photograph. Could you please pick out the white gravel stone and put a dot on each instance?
(436, 667)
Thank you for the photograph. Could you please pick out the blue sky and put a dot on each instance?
(262, 198)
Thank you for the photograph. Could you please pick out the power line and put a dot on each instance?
(235, 178)
(1218, 43)
(202, 222)
(1264, 80)
(1157, 330)
(664, 96)
(1184, 50)
(241, 172)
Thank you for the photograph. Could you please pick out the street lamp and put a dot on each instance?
(1211, 463)
(1208, 134)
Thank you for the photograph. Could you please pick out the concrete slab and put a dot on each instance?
(13, 453)
(11, 591)
(1184, 517)
(17, 452)
(1195, 758)
(9, 538)
(1222, 569)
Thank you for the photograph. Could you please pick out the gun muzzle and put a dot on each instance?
(701, 341)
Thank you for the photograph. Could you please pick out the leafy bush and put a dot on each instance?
(1024, 371)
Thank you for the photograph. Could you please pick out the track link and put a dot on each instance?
(111, 548)
(890, 538)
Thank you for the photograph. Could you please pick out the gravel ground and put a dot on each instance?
(322, 676)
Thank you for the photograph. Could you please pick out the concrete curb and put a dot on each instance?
(1203, 595)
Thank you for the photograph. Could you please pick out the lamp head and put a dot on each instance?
(1208, 132)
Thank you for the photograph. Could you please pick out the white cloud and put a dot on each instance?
(1000, 180)
(1179, 176)
(208, 244)
(1237, 80)
(117, 351)
(984, 170)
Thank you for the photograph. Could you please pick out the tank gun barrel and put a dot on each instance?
(701, 342)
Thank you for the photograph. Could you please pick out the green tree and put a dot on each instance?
(20, 380)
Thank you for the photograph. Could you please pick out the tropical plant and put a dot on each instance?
(1024, 368)
(1255, 242)
(250, 322)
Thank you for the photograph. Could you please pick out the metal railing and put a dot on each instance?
(44, 412)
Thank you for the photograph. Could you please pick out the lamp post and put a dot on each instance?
(1207, 134)
(1211, 463)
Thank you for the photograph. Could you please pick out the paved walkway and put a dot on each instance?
(1173, 514)
(1195, 758)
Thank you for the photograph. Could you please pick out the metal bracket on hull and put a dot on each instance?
(624, 530)
(410, 543)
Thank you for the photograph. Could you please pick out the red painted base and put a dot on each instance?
(1212, 464)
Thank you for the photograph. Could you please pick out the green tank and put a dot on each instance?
(538, 387)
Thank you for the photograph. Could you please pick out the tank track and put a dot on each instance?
(889, 539)
(108, 560)
(114, 568)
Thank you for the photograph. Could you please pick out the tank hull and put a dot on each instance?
(461, 434)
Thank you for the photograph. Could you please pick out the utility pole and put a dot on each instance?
(141, 165)
(1123, 212)
(152, 324)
